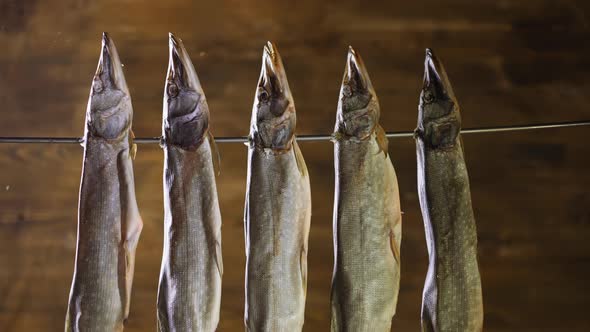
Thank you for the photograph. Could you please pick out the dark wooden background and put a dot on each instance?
(511, 62)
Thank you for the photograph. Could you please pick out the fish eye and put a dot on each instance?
(263, 95)
(172, 90)
(346, 91)
(428, 96)
(97, 86)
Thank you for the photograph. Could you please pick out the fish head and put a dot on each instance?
(438, 112)
(109, 110)
(273, 116)
(358, 106)
(185, 111)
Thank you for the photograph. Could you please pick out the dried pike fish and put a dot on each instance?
(452, 299)
(108, 223)
(189, 295)
(278, 207)
(367, 215)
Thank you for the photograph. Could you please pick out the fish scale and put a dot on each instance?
(276, 295)
(109, 223)
(189, 293)
(364, 296)
(190, 281)
(452, 296)
(278, 208)
(367, 215)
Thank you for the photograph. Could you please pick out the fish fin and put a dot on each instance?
(246, 214)
(246, 207)
(382, 140)
(131, 227)
(161, 304)
(124, 269)
(299, 158)
(218, 258)
(215, 156)
(129, 246)
(162, 321)
(132, 146)
(394, 246)
(129, 263)
(303, 267)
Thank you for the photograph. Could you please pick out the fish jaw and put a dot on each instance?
(358, 106)
(109, 111)
(273, 115)
(439, 119)
(185, 110)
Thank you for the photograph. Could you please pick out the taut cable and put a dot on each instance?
(304, 138)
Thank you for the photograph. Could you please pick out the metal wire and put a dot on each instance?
(304, 138)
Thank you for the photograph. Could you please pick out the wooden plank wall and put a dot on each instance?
(510, 62)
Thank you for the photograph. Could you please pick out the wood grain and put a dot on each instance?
(510, 62)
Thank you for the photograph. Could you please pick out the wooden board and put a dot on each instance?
(510, 62)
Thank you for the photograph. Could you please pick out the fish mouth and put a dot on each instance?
(358, 108)
(109, 109)
(183, 97)
(356, 90)
(438, 112)
(273, 116)
(269, 49)
(437, 99)
(273, 75)
(186, 113)
(110, 69)
(180, 67)
(435, 76)
(355, 73)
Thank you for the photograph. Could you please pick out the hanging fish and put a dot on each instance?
(278, 207)
(367, 215)
(189, 294)
(452, 298)
(108, 222)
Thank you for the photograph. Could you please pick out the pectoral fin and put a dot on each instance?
(129, 265)
(162, 321)
(299, 158)
(303, 267)
(393, 242)
(214, 154)
(132, 146)
(382, 140)
(218, 258)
